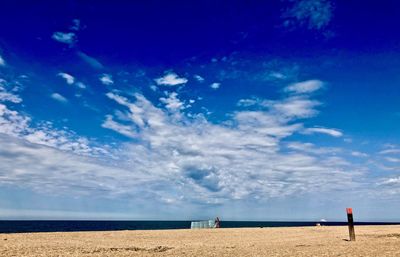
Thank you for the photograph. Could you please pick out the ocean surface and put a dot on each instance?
(19, 226)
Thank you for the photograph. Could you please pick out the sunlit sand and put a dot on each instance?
(302, 241)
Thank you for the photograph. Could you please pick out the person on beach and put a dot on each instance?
(217, 223)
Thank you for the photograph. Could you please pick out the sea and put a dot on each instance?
(22, 226)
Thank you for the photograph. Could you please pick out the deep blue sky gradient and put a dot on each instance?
(355, 54)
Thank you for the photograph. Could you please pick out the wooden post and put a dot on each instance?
(351, 224)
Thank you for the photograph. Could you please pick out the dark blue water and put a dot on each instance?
(13, 226)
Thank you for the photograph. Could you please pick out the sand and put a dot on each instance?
(303, 241)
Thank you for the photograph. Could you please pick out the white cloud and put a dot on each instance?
(388, 187)
(327, 131)
(176, 158)
(58, 97)
(359, 154)
(313, 149)
(210, 161)
(48, 170)
(17, 125)
(276, 75)
(153, 87)
(90, 60)
(305, 87)
(106, 79)
(109, 123)
(6, 95)
(393, 159)
(66, 38)
(2, 62)
(294, 107)
(391, 181)
(288, 108)
(215, 85)
(248, 102)
(199, 78)
(68, 78)
(390, 151)
(172, 102)
(80, 85)
(170, 79)
(11, 123)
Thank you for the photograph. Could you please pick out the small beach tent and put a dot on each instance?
(202, 224)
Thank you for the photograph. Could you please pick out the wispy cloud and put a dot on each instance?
(178, 158)
(359, 154)
(313, 149)
(49, 170)
(305, 87)
(170, 79)
(17, 125)
(199, 78)
(294, 107)
(314, 14)
(58, 97)
(327, 131)
(249, 102)
(2, 62)
(388, 187)
(65, 37)
(391, 181)
(274, 75)
(68, 38)
(390, 151)
(90, 60)
(76, 25)
(212, 161)
(106, 79)
(393, 159)
(81, 85)
(287, 108)
(125, 130)
(68, 78)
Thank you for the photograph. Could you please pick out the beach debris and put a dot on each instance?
(159, 249)
(393, 235)
(134, 249)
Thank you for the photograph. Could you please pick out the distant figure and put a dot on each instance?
(217, 223)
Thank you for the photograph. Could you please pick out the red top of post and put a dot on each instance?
(349, 210)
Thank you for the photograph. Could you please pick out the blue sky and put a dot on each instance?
(274, 110)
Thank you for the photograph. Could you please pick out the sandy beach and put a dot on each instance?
(302, 241)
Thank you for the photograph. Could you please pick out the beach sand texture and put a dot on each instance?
(302, 241)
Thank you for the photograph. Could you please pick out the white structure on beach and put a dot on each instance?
(202, 224)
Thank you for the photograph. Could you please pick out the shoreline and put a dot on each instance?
(30, 226)
(195, 229)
